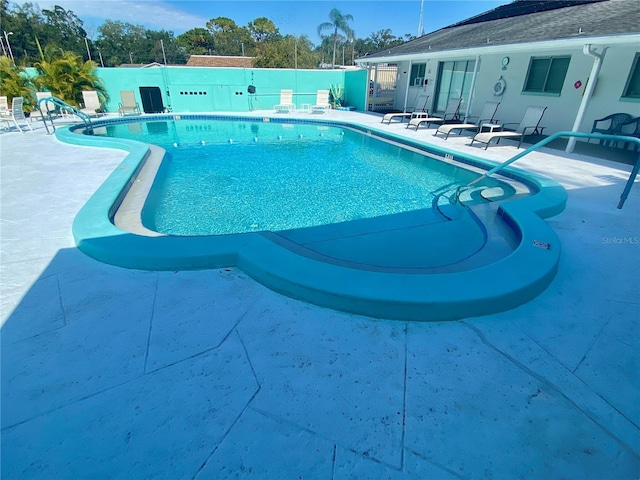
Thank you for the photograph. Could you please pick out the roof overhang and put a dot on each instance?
(578, 42)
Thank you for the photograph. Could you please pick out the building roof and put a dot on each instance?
(219, 61)
(526, 21)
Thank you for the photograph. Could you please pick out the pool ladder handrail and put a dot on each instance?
(63, 105)
(601, 136)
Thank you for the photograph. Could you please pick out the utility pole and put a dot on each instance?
(163, 54)
(6, 37)
(86, 42)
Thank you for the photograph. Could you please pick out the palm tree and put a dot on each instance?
(66, 75)
(338, 22)
(14, 82)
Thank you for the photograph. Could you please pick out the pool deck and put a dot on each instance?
(115, 373)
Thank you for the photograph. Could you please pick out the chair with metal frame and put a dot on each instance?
(419, 110)
(529, 125)
(450, 114)
(486, 117)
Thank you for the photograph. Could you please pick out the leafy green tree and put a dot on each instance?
(337, 22)
(229, 38)
(14, 82)
(288, 52)
(197, 41)
(63, 28)
(66, 75)
(24, 23)
(383, 39)
(263, 30)
(122, 42)
(173, 51)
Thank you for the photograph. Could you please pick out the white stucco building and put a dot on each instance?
(581, 59)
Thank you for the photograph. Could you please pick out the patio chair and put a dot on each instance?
(5, 113)
(450, 114)
(632, 131)
(91, 103)
(486, 117)
(47, 108)
(16, 114)
(322, 102)
(4, 105)
(419, 110)
(610, 125)
(286, 104)
(128, 103)
(529, 125)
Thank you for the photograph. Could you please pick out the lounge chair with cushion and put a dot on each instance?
(286, 104)
(486, 117)
(420, 109)
(128, 103)
(16, 114)
(91, 103)
(450, 114)
(610, 125)
(529, 125)
(322, 102)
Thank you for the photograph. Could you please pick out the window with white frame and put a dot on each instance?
(632, 87)
(417, 74)
(546, 75)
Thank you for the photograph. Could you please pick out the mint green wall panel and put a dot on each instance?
(356, 86)
(202, 89)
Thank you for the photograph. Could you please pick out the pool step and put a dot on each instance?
(410, 242)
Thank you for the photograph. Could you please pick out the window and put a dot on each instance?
(546, 74)
(632, 88)
(417, 74)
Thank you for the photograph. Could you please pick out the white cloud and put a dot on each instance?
(152, 14)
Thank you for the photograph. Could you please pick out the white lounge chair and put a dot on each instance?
(5, 113)
(91, 103)
(322, 102)
(286, 104)
(16, 114)
(485, 118)
(419, 110)
(529, 125)
(46, 107)
(128, 103)
(4, 105)
(450, 113)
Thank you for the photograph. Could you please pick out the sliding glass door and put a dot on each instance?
(454, 81)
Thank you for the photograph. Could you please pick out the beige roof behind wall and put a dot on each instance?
(219, 61)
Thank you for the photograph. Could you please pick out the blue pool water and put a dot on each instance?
(223, 177)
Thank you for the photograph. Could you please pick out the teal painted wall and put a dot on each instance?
(356, 86)
(201, 89)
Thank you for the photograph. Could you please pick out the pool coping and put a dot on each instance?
(500, 286)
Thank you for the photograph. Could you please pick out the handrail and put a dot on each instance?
(62, 104)
(601, 136)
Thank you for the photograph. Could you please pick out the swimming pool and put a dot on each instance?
(223, 177)
(440, 263)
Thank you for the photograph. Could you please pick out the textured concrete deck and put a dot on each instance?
(114, 373)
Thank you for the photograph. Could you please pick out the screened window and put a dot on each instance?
(417, 74)
(546, 74)
(632, 89)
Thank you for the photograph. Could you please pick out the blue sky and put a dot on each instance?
(297, 17)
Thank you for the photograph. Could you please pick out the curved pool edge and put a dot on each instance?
(500, 286)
